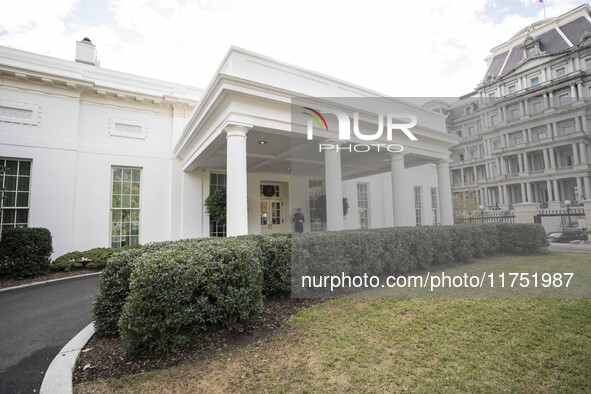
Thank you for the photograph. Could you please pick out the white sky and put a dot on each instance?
(401, 48)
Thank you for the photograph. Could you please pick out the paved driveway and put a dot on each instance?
(35, 323)
(585, 248)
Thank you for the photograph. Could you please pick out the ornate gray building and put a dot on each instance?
(526, 133)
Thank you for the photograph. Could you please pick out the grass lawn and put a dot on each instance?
(485, 344)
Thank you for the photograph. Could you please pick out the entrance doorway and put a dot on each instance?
(271, 209)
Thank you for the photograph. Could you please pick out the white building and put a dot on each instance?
(104, 158)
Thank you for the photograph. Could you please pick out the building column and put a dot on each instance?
(526, 166)
(523, 193)
(444, 192)
(334, 189)
(587, 186)
(546, 101)
(552, 158)
(462, 175)
(575, 154)
(581, 89)
(546, 161)
(520, 163)
(531, 197)
(578, 125)
(573, 92)
(526, 107)
(556, 191)
(507, 201)
(584, 153)
(551, 99)
(549, 190)
(579, 188)
(236, 199)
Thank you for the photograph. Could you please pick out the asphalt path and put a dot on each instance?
(35, 323)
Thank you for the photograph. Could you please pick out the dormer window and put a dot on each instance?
(531, 47)
(490, 80)
(585, 39)
(468, 110)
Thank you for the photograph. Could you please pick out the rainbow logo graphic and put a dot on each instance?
(315, 116)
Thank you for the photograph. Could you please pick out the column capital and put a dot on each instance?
(397, 155)
(237, 129)
(443, 163)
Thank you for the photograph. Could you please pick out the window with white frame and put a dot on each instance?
(125, 206)
(566, 127)
(217, 181)
(494, 119)
(564, 98)
(496, 144)
(560, 72)
(15, 177)
(418, 205)
(511, 89)
(537, 106)
(492, 96)
(314, 191)
(434, 210)
(470, 130)
(531, 52)
(588, 63)
(535, 81)
(514, 113)
(363, 205)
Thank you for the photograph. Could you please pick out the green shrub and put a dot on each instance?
(25, 252)
(114, 283)
(216, 283)
(93, 258)
(275, 257)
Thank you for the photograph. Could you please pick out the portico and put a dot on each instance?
(244, 128)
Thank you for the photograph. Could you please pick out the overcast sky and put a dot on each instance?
(400, 48)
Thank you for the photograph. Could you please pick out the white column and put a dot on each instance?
(587, 185)
(549, 190)
(584, 153)
(444, 192)
(530, 192)
(399, 201)
(575, 154)
(523, 193)
(237, 208)
(579, 187)
(556, 191)
(334, 190)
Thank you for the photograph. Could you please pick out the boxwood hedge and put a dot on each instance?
(25, 252)
(158, 295)
(174, 294)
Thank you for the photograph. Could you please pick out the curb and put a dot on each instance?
(48, 281)
(58, 378)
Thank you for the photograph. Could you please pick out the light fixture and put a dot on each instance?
(262, 142)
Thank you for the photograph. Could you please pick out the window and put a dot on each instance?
(472, 154)
(563, 99)
(566, 128)
(269, 191)
(314, 191)
(470, 131)
(125, 207)
(514, 113)
(494, 119)
(587, 40)
(537, 107)
(363, 204)
(496, 144)
(434, 212)
(492, 97)
(217, 181)
(531, 52)
(511, 89)
(461, 157)
(418, 205)
(588, 63)
(518, 139)
(493, 168)
(535, 81)
(560, 72)
(467, 110)
(15, 185)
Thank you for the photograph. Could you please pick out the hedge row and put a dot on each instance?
(159, 295)
(25, 252)
(93, 258)
(395, 251)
